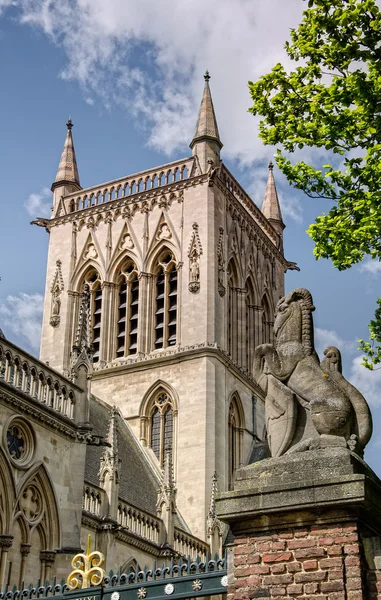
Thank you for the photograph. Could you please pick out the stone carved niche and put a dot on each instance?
(56, 291)
(194, 253)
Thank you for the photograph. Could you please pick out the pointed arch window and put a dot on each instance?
(165, 301)
(93, 281)
(127, 315)
(250, 323)
(267, 322)
(235, 438)
(232, 310)
(161, 421)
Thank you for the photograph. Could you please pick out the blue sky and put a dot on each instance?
(129, 74)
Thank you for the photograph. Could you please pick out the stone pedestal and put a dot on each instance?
(305, 525)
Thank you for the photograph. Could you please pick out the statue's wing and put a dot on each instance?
(281, 413)
(361, 408)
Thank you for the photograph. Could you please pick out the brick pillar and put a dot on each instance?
(305, 526)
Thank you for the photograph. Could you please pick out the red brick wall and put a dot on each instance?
(314, 563)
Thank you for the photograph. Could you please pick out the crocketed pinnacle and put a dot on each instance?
(270, 206)
(206, 127)
(82, 334)
(67, 169)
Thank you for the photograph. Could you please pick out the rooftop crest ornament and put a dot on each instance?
(87, 567)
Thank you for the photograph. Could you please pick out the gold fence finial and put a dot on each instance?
(87, 567)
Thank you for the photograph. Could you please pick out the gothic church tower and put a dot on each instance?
(183, 272)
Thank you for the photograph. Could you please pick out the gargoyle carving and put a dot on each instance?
(308, 404)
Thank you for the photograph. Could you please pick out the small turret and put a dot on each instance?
(166, 501)
(271, 207)
(206, 143)
(67, 178)
(214, 527)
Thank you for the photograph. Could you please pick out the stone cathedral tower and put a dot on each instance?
(183, 272)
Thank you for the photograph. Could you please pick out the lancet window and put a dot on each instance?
(166, 301)
(161, 438)
(93, 280)
(235, 436)
(232, 311)
(128, 302)
(267, 321)
(250, 323)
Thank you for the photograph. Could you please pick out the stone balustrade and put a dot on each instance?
(40, 383)
(128, 186)
(188, 545)
(92, 500)
(139, 522)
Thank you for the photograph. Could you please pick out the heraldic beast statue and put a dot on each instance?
(308, 404)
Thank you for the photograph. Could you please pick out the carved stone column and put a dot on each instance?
(258, 310)
(24, 550)
(107, 329)
(47, 558)
(144, 313)
(6, 542)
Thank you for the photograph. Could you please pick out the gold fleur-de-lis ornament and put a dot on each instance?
(87, 567)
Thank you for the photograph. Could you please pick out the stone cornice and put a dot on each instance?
(37, 410)
(173, 356)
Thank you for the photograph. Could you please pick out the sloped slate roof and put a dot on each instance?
(138, 482)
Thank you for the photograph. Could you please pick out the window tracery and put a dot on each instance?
(235, 438)
(161, 424)
(166, 301)
(128, 318)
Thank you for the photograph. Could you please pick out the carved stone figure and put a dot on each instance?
(308, 404)
(194, 272)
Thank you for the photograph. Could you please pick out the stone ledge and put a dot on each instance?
(316, 484)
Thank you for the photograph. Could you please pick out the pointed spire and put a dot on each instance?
(83, 331)
(67, 174)
(166, 499)
(213, 524)
(206, 127)
(109, 467)
(168, 480)
(206, 143)
(110, 455)
(271, 206)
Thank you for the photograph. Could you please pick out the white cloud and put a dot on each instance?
(39, 205)
(22, 316)
(327, 337)
(175, 42)
(372, 266)
(368, 382)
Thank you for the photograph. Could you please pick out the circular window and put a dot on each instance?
(19, 440)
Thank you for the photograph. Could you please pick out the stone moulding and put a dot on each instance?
(331, 479)
(201, 349)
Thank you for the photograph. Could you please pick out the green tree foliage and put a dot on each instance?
(331, 100)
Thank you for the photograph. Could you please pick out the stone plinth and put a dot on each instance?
(305, 525)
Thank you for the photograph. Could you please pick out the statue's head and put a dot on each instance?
(295, 309)
(332, 359)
